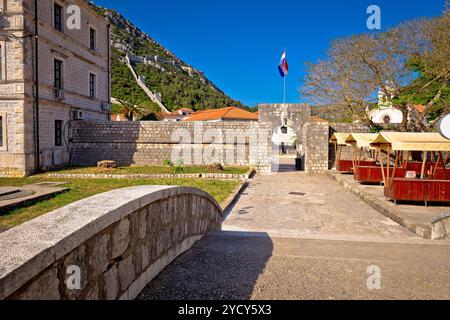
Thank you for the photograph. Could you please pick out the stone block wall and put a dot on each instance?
(295, 114)
(150, 143)
(111, 249)
(315, 147)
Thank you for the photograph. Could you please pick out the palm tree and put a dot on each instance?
(129, 110)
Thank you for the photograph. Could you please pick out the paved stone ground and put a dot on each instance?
(224, 266)
(294, 204)
(415, 216)
(316, 244)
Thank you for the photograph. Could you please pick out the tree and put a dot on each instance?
(432, 86)
(393, 61)
(128, 109)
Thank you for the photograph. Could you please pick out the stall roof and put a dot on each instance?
(411, 141)
(362, 140)
(340, 138)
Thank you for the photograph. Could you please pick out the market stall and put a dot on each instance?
(433, 184)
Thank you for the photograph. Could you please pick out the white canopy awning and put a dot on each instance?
(412, 141)
(361, 140)
(339, 138)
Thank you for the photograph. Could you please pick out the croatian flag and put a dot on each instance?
(283, 67)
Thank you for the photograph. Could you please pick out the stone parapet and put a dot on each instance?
(212, 176)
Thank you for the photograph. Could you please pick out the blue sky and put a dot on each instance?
(238, 43)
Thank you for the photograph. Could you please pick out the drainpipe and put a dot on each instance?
(109, 68)
(36, 75)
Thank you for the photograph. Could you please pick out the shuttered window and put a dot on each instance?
(58, 133)
(92, 79)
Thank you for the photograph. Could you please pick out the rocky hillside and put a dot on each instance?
(180, 85)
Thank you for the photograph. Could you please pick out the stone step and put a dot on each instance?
(4, 191)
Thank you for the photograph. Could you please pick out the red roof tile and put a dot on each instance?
(231, 113)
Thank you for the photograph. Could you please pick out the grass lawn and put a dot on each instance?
(151, 170)
(80, 189)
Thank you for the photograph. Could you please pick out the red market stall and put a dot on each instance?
(345, 165)
(364, 156)
(433, 184)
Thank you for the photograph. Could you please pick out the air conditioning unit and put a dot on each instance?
(106, 106)
(78, 115)
(59, 94)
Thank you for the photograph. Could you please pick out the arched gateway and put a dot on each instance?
(287, 122)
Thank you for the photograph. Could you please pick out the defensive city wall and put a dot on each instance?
(150, 143)
(248, 143)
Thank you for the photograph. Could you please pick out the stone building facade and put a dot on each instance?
(49, 81)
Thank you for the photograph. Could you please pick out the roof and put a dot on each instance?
(340, 138)
(118, 117)
(231, 113)
(317, 119)
(362, 140)
(412, 141)
(420, 108)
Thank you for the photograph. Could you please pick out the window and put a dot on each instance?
(92, 79)
(58, 74)
(1, 131)
(92, 39)
(1, 62)
(58, 133)
(58, 17)
(3, 136)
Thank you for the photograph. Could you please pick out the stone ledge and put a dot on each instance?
(234, 197)
(207, 176)
(34, 246)
(426, 224)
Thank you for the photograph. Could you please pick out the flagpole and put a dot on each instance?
(284, 83)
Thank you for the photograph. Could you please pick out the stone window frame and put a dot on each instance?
(4, 120)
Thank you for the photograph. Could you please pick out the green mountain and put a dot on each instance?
(180, 85)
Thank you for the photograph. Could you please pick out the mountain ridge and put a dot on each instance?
(180, 84)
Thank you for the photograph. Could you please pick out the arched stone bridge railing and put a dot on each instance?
(109, 246)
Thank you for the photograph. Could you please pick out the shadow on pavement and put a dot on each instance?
(222, 266)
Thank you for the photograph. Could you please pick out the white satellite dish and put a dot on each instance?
(444, 126)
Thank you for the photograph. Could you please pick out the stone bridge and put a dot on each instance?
(109, 246)
(290, 236)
